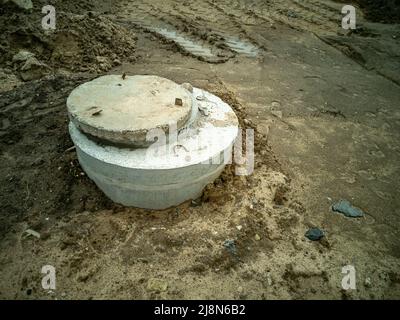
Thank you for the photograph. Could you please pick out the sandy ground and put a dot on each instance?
(325, 107)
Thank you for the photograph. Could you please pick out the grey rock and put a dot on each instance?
(22, 4)
(346, 208)
(22, 56)
(187, 86)
(367, 282)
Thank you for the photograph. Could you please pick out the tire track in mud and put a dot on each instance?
(193, 27)
(215, 31)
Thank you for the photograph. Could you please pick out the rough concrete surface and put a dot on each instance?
(170, 171)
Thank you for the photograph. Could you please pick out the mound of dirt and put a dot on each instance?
(82, 41)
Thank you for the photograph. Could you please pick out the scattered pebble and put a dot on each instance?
(277, 114)
(314, 234)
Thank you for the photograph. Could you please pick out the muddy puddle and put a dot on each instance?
(187, 44)
(242, 47)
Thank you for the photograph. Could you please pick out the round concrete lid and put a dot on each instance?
(122, 109)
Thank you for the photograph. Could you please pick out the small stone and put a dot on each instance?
(257, 237)
(33, 69)
(239, 227)
(196, 202)
(9, 81)
(157, 285)
(22, 56)
(97, 112)
(275, 105)
(367, 282)
(204, 111)
(178, 102)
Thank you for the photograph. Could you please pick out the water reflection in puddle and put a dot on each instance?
(242, 47)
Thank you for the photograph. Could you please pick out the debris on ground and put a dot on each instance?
(314, 234)
(30, 232)
(345, 207)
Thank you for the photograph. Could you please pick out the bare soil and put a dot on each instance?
(325, 107)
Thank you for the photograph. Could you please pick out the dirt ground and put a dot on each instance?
(325, 106)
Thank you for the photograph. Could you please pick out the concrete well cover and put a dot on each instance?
(164, 175)
(123, 109)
